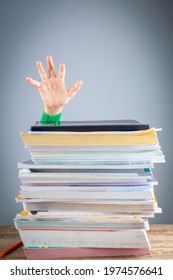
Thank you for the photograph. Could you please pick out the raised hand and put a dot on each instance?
(52, 88)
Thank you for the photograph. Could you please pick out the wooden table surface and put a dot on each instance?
(160, 236)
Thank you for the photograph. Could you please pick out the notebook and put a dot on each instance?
(86, 126)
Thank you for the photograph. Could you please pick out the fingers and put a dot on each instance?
(61, 73)
(33, 82)
(41, 70)
(75, 88)
(50, 66)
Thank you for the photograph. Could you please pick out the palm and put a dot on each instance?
(52, 89)
(53, 92)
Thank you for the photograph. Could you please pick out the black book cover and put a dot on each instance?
(91, 126)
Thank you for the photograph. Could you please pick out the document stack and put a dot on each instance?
(88, 189)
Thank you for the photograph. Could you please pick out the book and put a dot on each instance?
(86, 126)
(132, 207)
(66, 194)
(29, 164)
(67, 253)
(78, 221)
(27, 176)
(142, 137)
(97, 157)
(62, 180)
(88, 238)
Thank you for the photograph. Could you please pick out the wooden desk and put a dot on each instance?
(160, 236)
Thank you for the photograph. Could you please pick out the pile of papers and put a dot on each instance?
(88, 192)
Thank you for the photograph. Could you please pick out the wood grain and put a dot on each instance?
(160, 236)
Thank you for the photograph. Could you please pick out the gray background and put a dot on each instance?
(122, 50)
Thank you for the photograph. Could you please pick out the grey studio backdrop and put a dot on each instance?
(122, 50)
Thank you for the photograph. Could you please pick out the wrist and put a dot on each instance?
(53, 112)
(50, 119)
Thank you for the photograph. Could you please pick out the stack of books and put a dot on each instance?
(88, 189)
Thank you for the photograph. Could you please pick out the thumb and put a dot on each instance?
(75, 88)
